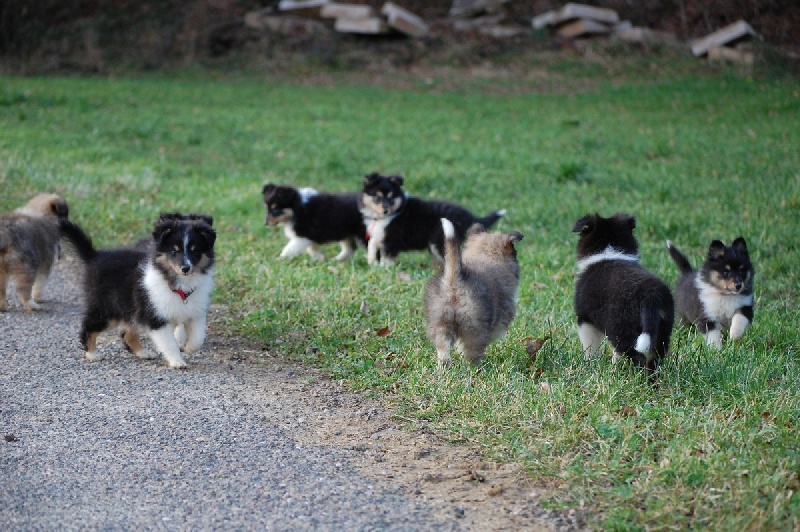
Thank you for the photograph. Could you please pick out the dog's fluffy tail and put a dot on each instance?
(491, 218)
(680, 260)
(79, 239)
(452, 255)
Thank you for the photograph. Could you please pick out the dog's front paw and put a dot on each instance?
(93, 356)
(32, 305)
(190, 349)
(177, 363)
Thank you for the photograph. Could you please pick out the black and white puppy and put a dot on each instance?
(397, 222)
(150, 289)
(720, 294)
(616, 297)
(310, 219)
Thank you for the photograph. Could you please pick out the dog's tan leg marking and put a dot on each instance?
(591, 338)
(444, 344)
(91, 348)
(25, 282)
(132, 340)
(164, 340)
(38, 285)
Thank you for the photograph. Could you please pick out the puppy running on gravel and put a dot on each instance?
(471, 301)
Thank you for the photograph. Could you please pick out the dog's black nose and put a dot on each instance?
(738, 286)
(185, 268)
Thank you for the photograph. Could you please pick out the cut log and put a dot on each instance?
(598, 14)
(368, 26)
(723, 53)
(404, 21)
(334, 10)
(728, 35)
(639, 35)
(571, 11)
(582, 27)
(302, 7)
(548, 18)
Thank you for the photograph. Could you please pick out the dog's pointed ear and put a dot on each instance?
(60, 209)
(371, 179)
(205, 218)
(208, 233)
(515, 236)
(163, 228)
(269, 187)
(740, 246)
(585, 225)
(475, 229)
(626, 219)
(396, 179)
(716, 250)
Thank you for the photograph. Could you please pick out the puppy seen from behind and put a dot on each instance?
(29, 246)
(153, 289)
(615, 297)
(720, 294)
(311, 219)
(471, 301)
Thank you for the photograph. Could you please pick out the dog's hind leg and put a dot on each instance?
(443, 341)
(591, 337)
(347, 249)
(295, 247)
(134, 343)
(39, 283)
(25, 280)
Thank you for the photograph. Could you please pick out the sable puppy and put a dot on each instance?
(310, 219)
(29, 245)
(615, 297)
(155, 289)
(472, 301)
(397, 222)
(720, 294)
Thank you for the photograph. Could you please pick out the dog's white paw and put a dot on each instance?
(180, 334)
(190, 349)
(146, 354)
(714, 339)
(32, 305)
(93, 356)
(177, 363)
(738, 325)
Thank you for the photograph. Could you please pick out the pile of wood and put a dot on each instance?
(358, 18)
(580, 20)
(731, 43)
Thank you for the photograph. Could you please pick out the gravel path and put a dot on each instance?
(241, 440)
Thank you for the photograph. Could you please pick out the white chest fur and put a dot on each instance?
(169, 305)
(720, 307)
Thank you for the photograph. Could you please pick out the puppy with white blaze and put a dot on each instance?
(161, 289)
(615, 297)
(472, 300)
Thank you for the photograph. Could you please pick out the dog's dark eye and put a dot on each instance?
(726, 274)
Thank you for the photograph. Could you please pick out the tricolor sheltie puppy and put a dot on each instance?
(720, 294)
(472, 300)
(310, 219)
(615, 297)
(152, 289)
(397, 222)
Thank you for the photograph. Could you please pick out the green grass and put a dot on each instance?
(694, 157)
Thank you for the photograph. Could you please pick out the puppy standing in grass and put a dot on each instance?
(718, 295)
(310, 219)
(615, 297)
(471, 301)
(152, 289)
(29, 245)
